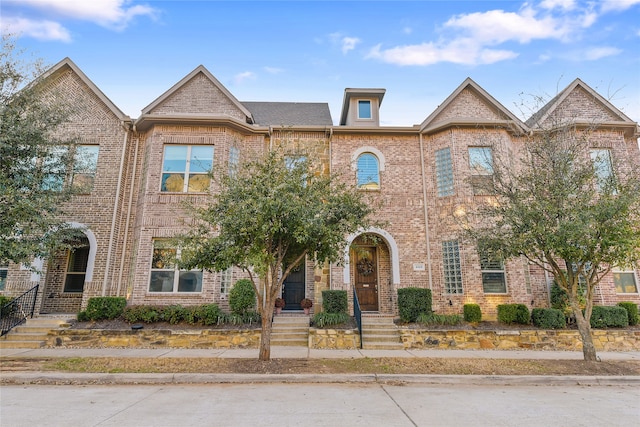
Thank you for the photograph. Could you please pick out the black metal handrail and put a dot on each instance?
(16, 311)
(357, 313)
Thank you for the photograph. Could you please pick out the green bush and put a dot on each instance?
(206, 314)
(548, 318)
(513, 313)
(4, 300)
(413, 302)
(439, 319)
(99, 308)
(324, 319)
(335, 301)
(242, 297)
(472, 313)
(142, 313)
(632, 311)
(609, 317)
(82, 316)
(174, 314)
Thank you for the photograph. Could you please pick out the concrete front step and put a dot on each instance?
(20, 344)
(290, 330)
(33, 333)
(379, 332)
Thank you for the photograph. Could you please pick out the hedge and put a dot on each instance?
(100, 308)
(548, 318)
(335, 301)
(609, 317)
(412, 302)
(632, 311)
(472, 313)
(513, 313)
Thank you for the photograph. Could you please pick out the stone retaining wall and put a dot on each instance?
(533, 339)
(336, 339)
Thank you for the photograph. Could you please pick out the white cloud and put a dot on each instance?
(596, 53)
(112, 14)
(244, 76)
(617, 5)
(346, 43)
(461, 51)
(41, 30)
(560, 4)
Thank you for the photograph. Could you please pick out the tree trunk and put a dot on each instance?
(584, 328)
(265, 335)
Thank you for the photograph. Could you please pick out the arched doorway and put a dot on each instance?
(370, 271)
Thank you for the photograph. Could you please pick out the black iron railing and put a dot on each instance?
(16, 311)
(357, 313)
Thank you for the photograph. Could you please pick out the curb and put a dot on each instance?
(24, 378)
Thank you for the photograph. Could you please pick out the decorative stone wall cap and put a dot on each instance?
(507, 332)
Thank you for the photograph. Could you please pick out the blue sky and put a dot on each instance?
(306, 51)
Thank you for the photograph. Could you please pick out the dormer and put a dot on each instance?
(361, 107)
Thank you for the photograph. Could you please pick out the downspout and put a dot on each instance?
(115, 210)
(130, 203)
(426, 214)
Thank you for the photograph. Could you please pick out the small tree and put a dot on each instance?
(34, 160)
(267, 218)
(555, 206)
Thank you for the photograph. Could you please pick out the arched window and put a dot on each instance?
(368, 172)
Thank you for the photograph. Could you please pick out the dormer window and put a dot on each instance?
(364, 109)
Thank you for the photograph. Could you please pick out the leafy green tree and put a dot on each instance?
(267, 218)
(556, 207)
(35, 159)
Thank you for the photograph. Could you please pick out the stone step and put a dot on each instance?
(380, 333)
(380, 338)
(382, 346)
(289, 342)
(20, 344)
(290, 335)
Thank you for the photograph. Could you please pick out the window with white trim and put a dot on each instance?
(368, 172)
(4, 270)
(226, 280)
(493, 273)
(481, 165)
(84, 167)
(625, 281)
(165, 274)
(364, 109)
(444, 172)
(186, 168)
(451, 267)
(601, 159)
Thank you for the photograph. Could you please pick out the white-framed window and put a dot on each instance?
(481, 165)
(451, 267)
(226, 280)
(4, 270)
(625, 281)
(364, 109)
(601, 159)
(493, 273)
(165, 274)
(234, 160)
(368, 172)
(77, 261)
(444, 172)
(185, 168)
(84, 167)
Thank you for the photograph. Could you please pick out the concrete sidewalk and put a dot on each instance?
(306, 353)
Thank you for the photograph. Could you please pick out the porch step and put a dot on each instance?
(33, 333)
(290, 330)
(380, 333)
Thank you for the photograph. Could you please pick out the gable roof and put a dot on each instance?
(176, 87)
(67, 63)
(547, 110)
(432, 123)
(290, 113)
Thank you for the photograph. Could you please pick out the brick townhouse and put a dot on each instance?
(422, 176)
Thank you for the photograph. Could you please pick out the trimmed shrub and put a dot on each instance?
(142, 313)
(99, 308)
(632, 311)
(4, 300)
(242, 297)
(513, 313)
(335, 301)
(472, 313)
(413, 302)
(174, 314)
(609, 317)
(548, 318)
(324, 319)
(439, 319)
(206, 314)
(82, 316)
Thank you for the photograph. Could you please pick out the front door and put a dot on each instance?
(366, 272)
(293, 288)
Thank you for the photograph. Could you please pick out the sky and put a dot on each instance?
(310, 51)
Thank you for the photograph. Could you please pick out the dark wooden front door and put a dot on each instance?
(366, 272)
(293, 289)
